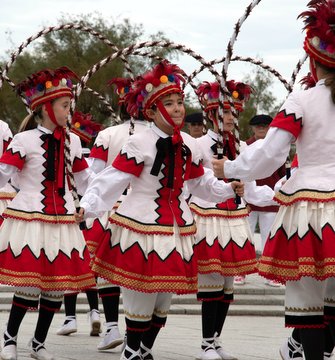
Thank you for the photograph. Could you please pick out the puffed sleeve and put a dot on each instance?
(210, 188)
(260, 159)
(104, 190)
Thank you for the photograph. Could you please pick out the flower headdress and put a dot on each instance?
(209, 93)
(84, 126)
(320, 25)
(47, 85)
(122, 87)
(165, 78)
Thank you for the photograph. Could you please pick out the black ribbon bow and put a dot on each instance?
(53, 149)
(164, 148)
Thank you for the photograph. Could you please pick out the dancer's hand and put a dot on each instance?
(218, 167)
(238, 187)
(79, 215)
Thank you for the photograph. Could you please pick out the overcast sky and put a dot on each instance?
(272, 31)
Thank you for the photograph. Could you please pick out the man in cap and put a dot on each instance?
(195, 124)
(259, 125)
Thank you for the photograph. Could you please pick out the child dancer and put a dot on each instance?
(106, 147)
(223, 241)
(42, 250)
(300, 250)
(149, 248)
(83, 126)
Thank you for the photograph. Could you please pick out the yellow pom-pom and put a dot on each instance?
(235, 94)
(48, 85)
(77, 125)
(122, 91)
(163, 79)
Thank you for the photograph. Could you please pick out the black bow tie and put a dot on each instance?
(165, 148)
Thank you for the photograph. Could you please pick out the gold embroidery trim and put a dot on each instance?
(305, 310)
(49, 282)
(304, 195)
(285, 269)
(149, 228)
(218, 212)
(227, 268)
(145, 283)
(137, 316)
(299, 262)
(38, 216)
(6, 272)
(7, 195)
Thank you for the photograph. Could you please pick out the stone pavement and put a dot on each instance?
(247, 337)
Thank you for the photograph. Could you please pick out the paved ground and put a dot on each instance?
(246, 337)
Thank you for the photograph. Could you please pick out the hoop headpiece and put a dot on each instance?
(165, 78)
(47, 85)
(84, 126)
(209, 93)
(122, 87)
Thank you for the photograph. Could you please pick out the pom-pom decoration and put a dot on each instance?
(84, 126)
(209, 93)
(165, 78)
(319, 23)
(46, 85)
(122, 87)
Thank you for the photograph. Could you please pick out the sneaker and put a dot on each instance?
(239, 280)
(273, 283)
(39, 352)
(208, 351)
(111, 339)
(94, 316)
(327, 356)
(224, 354)
(291, 350)
(8, 352)
(208, 354)
(69, 326)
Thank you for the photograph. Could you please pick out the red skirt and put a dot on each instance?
(224, 245)
(51, 257)
(146, 262)
(301, 243)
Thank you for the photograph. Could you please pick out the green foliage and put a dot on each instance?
(79, 51)
(262, 100)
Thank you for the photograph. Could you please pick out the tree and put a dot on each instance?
(261, 100)
(79, 51)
